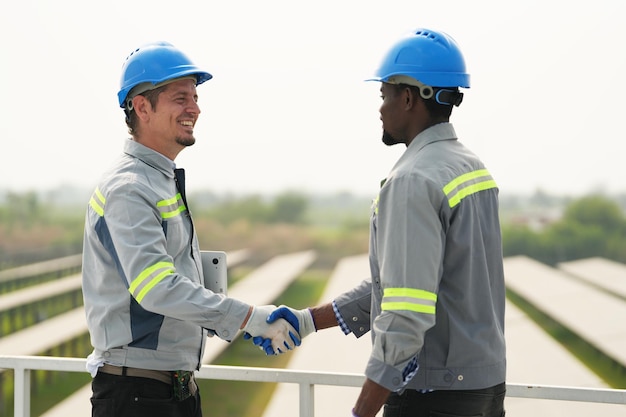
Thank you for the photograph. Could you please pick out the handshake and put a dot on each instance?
(278, 329)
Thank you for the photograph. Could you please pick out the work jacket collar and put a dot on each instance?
(435, 133)
(150, 157)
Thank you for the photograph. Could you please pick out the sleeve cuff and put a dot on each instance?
(340, 320)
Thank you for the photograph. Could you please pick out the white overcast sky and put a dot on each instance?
(288, 108)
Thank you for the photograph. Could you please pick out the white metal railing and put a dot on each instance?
(45, 267)
(22, 365)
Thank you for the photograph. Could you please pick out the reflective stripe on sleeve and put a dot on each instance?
(171, 207)
(148, 278)
(375, 204)
(97, 202)
(409, 299)
(468, 184)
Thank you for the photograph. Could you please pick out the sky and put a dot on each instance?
(288, 108)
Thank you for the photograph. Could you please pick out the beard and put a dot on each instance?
(389, 140)
(186, 141)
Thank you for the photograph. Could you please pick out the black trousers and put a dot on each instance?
(127, 396)
(487, 402)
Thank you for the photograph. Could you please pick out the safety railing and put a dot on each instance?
(22, 365)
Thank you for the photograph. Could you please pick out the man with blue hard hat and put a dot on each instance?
(435, 299)
(147, 309)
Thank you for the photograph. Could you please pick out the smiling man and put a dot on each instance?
(148, 312)
(168, 127)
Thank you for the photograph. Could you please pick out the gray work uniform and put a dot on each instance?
(435, 300)
(143, 289)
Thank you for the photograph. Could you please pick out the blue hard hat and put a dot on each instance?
(430, 57)
(156, 63)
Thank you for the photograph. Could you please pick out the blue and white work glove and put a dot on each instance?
(301, 320)
(274, 337)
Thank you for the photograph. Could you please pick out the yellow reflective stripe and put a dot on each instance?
(375, 204)
(410, 292)
(97, 202)
(151, 276)
(468, 184)
(409, 299)
(471, 190)
(464, 178)
(418, 308)
(171, 207)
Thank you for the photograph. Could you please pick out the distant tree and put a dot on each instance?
(590, 226)
(289, 207)
(23, 209)
(251, 208)
(518, 240)
(597, 211)
(568, 240)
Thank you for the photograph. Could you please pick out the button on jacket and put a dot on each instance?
(145, 302)
(435, 301)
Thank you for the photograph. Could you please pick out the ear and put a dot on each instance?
(409, 98)
(141, 105)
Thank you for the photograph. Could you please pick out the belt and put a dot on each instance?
(163, 376)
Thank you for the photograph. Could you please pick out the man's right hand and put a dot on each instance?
(274, 336)
(301, 320)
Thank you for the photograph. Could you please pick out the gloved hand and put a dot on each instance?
(264, 344)
(301, 320)
(274, 337)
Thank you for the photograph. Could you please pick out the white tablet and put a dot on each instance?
(215, 270)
